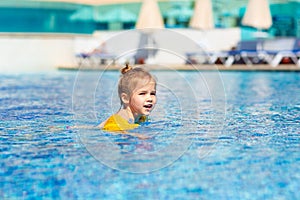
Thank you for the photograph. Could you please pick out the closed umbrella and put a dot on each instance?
(149, 16)
(258, 14)
(203, 15)
(149, 19)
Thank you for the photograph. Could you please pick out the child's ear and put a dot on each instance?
(125, 98)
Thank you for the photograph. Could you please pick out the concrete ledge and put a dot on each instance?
(191, 67)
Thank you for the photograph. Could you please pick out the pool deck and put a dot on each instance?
(182, 67)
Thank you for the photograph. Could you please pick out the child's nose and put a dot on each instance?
(149, 98)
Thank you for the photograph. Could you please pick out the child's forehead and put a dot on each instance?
(145, 81)
(148, 85)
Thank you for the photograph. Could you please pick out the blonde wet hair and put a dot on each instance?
(132, 79)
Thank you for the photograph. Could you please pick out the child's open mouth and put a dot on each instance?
(148, 106)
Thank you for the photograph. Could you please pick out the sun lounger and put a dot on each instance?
(278, 57)
(297, 53)
(270, 51)
(82, 59)
(245, 53)
(282, 48)
(214, 57)
(95, 59)
(252, 52)
(197, 58)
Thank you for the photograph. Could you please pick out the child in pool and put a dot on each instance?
(137, 93)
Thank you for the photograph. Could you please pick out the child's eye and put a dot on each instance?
(142, 93)
(153, 93)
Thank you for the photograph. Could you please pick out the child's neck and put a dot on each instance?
(128, 115)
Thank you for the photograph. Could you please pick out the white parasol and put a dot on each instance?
(203, 15)
(258, 14)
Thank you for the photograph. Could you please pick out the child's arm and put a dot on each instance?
(100, 126)
(57, 128)
(83, 127)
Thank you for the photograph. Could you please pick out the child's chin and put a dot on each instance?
(146, 113)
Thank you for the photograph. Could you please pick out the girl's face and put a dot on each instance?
(143, 100)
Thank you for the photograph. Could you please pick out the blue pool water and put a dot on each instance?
(202, 145)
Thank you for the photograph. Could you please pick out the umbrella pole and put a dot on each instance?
(150, 47)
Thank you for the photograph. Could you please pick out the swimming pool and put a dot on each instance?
(252, 151)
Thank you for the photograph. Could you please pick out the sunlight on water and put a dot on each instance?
(194, 150)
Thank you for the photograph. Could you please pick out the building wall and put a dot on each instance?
(58, 17)
(28, 53)
(45, 52)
